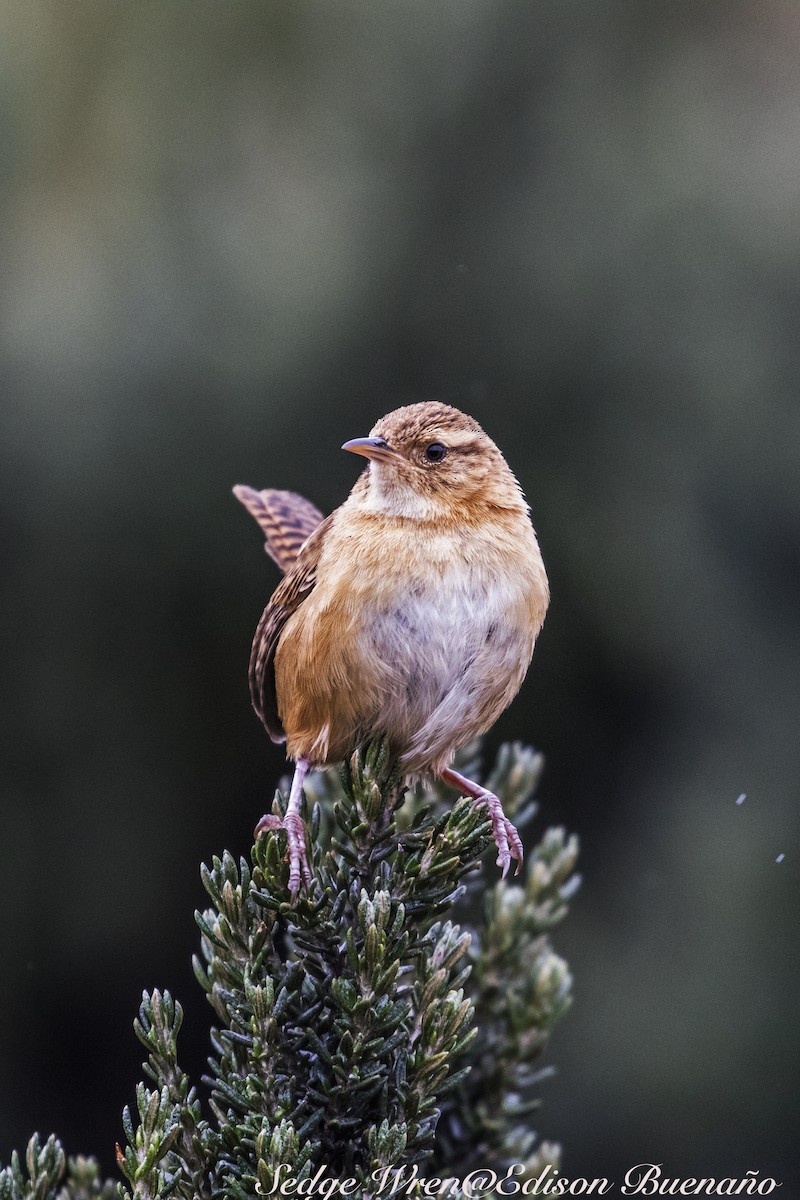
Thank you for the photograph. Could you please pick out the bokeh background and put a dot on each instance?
(233, 235)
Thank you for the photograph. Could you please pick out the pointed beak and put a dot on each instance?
(372, 447)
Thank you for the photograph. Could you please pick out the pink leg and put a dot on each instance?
(295, 830)
(506, 838)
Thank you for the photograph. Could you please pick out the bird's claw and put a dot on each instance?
(508, 842)
(295, 830)
(268, 822)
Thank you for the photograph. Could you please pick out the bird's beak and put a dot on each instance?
(372, 447)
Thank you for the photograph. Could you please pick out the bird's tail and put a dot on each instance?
(286, 520)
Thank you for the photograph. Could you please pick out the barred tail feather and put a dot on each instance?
(286, 520)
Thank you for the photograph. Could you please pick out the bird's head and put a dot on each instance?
(433, 462)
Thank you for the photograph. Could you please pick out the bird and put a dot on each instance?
(409, 613)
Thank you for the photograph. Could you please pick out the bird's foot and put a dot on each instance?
(508, 842)
(295, 829)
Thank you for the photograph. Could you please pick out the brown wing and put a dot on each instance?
(286, 520)
(290, 593)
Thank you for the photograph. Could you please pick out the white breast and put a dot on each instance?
(454, 655)
(421, 634)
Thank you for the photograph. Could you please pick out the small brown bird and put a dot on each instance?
(410, 613)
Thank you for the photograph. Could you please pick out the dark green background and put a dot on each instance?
(234, 235)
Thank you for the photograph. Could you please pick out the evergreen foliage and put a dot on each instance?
(378, 1022)
(46, 1174)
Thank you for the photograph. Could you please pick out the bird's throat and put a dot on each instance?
(391, 495)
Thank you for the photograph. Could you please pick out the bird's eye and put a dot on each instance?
(435, 452)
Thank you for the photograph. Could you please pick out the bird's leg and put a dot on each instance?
(506, 838)
(295, 830)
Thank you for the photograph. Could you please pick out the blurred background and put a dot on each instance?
(234, 235)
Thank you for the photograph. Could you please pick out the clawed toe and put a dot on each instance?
(267, 822)
(298, 859)
(295, 829)
(506, 838)
(508, 842)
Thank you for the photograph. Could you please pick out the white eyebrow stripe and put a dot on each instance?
(458, 439)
